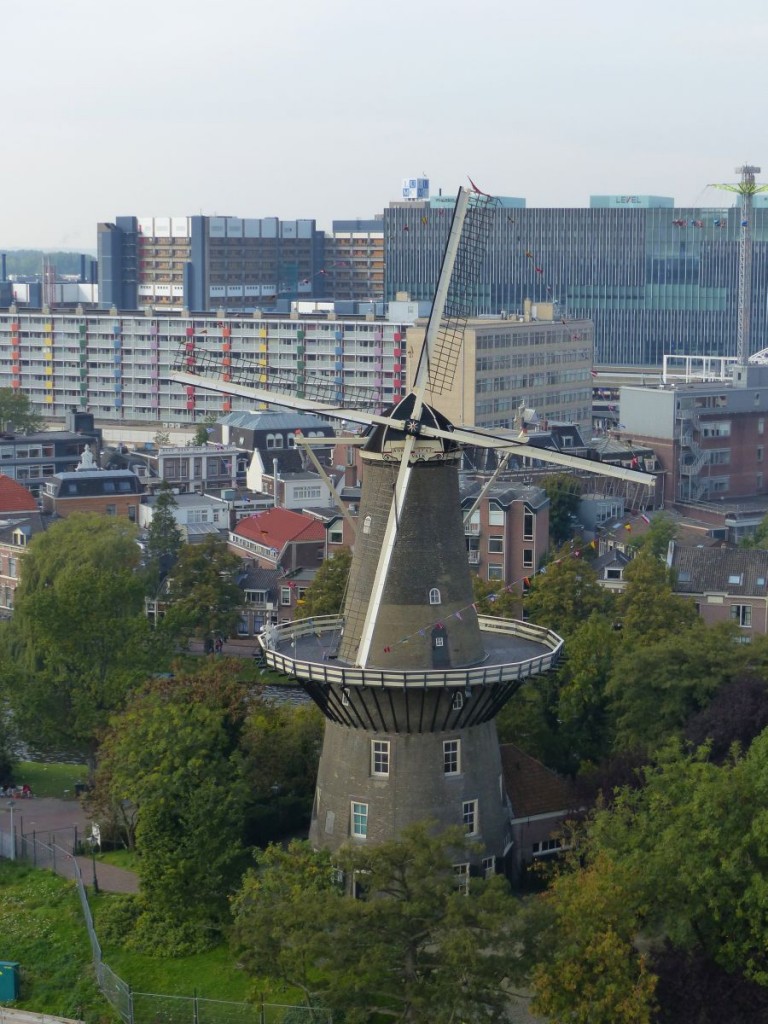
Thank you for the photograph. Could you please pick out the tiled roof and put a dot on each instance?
(254, 577)
(274, 421)
(275, 527)
(14, 497)
(735, 571)
(532, 787)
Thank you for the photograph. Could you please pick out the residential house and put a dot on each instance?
(20, 519)
(197, 515)
(292, 543)
(508, 533)
(726, 584)
(110, 492)
(540, 803)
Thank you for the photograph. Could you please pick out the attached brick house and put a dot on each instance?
(109, 492)
(508, 534)
(726, 584)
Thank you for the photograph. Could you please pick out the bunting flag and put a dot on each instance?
(645, 518)
(458, 616)
(528, 254)
(387, 650)
(628, 526)
(423, 220)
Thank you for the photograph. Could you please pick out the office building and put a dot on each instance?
(207, 263)
(708, 436)
(532, 361)
(654, 278)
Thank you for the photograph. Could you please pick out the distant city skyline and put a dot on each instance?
(304, 110)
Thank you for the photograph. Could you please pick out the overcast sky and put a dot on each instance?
(292, 108)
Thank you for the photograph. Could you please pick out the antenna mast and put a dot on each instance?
(746, 188)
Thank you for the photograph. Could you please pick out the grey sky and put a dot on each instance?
(293, 108)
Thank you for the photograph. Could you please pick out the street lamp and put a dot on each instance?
(11, 805)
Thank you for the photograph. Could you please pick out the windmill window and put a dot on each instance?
(451, 757)
(434, 596)
(469, 817)
(367, 524)
(458, 701)
(380, 757)
(359, 820)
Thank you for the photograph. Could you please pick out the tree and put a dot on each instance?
(202, 433)
(589, 970)
(16, 409)
(282, 745)
(564, 493)
(491, 599)
(79, 640)
(565, 594)
(325, 594)
(164, 538)
(175, 756)
(660, 532)
(647, 608)
(411, 948)
(203, 597)
(657, 685)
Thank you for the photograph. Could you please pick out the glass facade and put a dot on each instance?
(653, 280)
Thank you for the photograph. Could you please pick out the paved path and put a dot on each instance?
(55, 821)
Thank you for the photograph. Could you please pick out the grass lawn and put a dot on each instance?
(51, 779)
(120, 858)
(41, 927)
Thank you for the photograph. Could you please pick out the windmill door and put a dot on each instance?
(440, 658)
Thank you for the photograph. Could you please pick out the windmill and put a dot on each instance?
(409, 677)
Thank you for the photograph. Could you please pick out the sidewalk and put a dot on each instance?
(45, 816)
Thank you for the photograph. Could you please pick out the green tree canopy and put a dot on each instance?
(565, 594)
(164, 538)
(412, 948)
(203, 597)
(564, 493)
(16, 409)
(325, 594)
(175, 756)
(79, 640)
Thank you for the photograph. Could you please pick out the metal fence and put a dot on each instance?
(145, 1007)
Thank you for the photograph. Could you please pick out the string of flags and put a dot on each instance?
(491, 598)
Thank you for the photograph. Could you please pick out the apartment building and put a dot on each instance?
(116, 366)
(508, 533)
(354, 261)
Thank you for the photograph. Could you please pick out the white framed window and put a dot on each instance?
(336, 534)
(547, 847)
(458, 701)
(528, 526)
(495, 572)
(469, 817)
(285, 595)
(495, 545)
(434, 596)
(367, 524)
(527, 558)
(380, 757)
(495, 516)
(461, 871)
(359, 820)
(345, 696)
(489, 867)
(742, 615)
(451, 757)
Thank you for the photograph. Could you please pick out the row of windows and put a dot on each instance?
(381, 750)
(359, 814)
